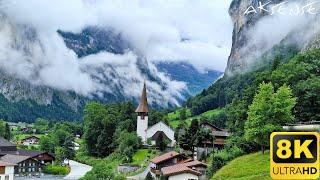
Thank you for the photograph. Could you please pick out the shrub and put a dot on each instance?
(56, 170)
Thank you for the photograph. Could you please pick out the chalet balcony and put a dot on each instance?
(157, 172)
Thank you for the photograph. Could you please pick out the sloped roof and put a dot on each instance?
(14, 159)
(3, 163)
(183, 168)
(143, 105)
(30, 138)
(23, 152)
(4, 142)
(165, 157)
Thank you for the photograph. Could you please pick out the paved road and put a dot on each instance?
(78, 170)
(142, 175)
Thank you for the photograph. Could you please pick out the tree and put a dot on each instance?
(128, 144)
(183, 114)
(189, 140)
(41, 125)
(46, 144)
(268, 112)
(68, 147)
(7, 134)
(59, 154)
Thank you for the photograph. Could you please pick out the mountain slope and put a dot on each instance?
(183, 71)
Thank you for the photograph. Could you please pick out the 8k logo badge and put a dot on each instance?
(294, 155)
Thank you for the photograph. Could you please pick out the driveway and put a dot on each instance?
(142, 175)
(77, 170)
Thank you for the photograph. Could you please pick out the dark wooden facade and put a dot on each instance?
(28, 167)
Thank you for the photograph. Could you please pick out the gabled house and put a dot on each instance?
(219, 134)
(30, 140)
(194, 170)
(25, 165)
(174, 166)
(6, 170)
(167, 159)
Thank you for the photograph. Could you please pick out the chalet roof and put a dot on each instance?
(220, 131)
(4, 142)
(23, 152)
(29, 137)
(209, 124)
(3, 163)
(14, 159)
(143, 105)
(182, 168)
(165, 157)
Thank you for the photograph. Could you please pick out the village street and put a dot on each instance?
(78, 170)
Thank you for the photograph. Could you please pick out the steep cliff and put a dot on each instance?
(243, 23)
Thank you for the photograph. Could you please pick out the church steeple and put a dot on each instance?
(143, 105)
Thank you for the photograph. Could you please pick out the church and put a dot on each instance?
(151, 133)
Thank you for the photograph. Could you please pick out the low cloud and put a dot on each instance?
(31, 49)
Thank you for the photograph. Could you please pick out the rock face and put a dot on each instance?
(242, 24)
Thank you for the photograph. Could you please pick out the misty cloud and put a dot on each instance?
(31, 49)
(291, 24)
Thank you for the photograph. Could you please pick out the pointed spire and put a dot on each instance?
(143, 105)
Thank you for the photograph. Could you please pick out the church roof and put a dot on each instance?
(143, 105)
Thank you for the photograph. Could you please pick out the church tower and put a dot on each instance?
(142, 119)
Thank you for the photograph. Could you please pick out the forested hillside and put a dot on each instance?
(300, 72)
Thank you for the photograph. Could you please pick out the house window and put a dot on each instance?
(23, 170)
(7, 177)
(33, 169)
(29, 169)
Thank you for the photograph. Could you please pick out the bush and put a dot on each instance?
(220, 158)
(56, 170)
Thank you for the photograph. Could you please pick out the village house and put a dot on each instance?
(6, 170)
(151, 133)
(27, 162)
(219, 134)
(175, 166)
(25, 165)
(207, 146)
(193, 170)
(31, 140)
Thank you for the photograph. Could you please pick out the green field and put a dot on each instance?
(174, 120)
(248, 167)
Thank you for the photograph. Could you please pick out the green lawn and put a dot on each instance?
(248, 167)
(143, 155)
(174, 120)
